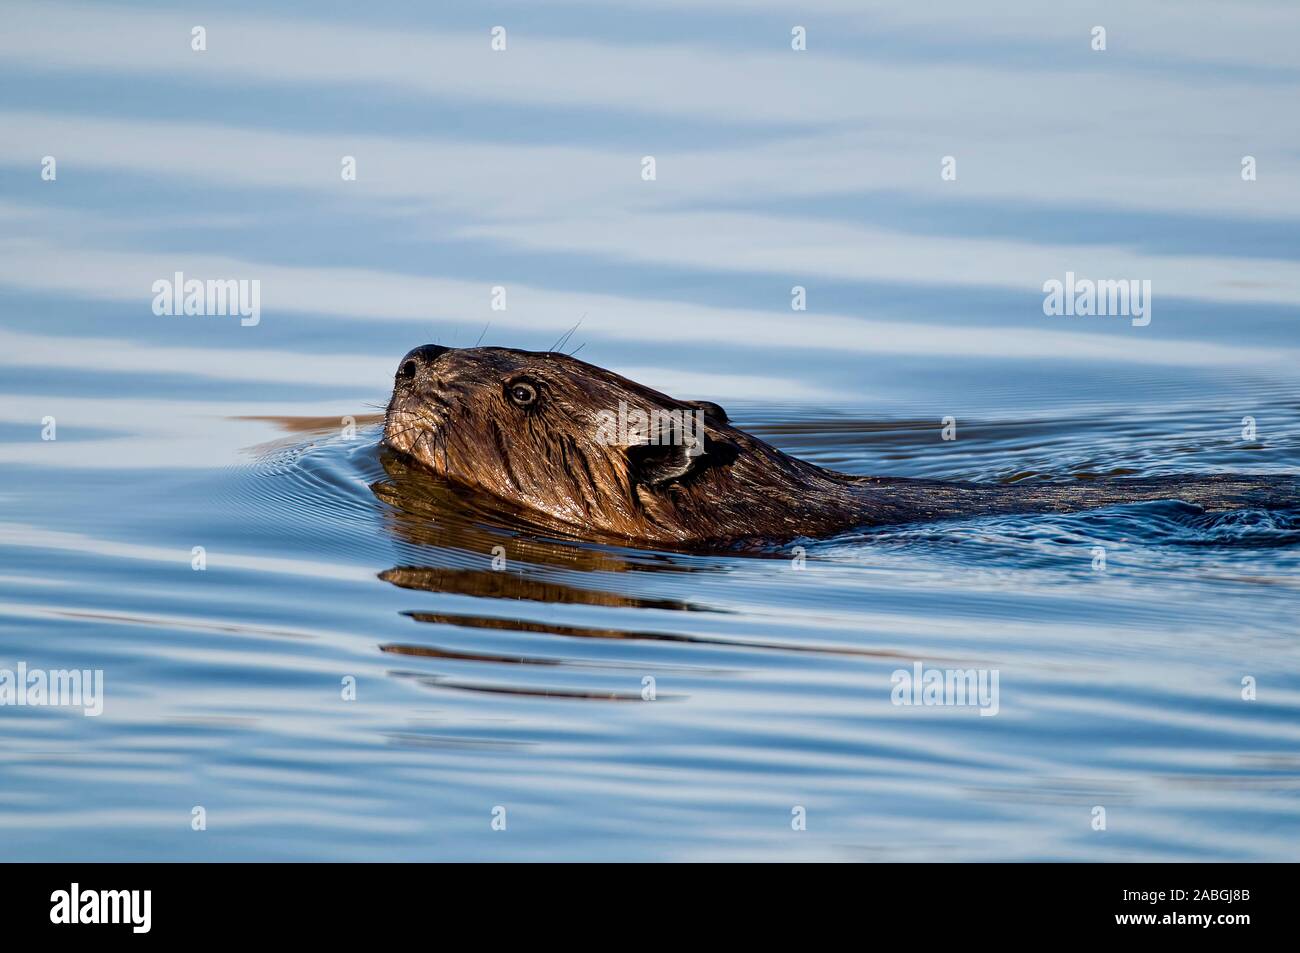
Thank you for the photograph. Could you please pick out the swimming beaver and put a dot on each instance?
(606, 455)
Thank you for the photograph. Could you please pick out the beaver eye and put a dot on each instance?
(522, 393)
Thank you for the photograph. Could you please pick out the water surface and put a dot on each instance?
(523, 686)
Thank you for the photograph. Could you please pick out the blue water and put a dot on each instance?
(520, 692)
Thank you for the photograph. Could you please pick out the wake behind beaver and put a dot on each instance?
(584, 449)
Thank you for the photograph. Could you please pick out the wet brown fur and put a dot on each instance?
(453, 415)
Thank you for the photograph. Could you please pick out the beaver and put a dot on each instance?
(598, 454)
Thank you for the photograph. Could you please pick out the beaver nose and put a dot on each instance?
(418, 359)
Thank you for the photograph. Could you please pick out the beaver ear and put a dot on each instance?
(654, 464)
(710, 409)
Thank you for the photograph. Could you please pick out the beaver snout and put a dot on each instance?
(417, 360)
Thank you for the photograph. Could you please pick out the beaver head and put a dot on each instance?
(590, 448)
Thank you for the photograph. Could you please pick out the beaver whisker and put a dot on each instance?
(567, 334)
(435, 398)
(420, 439)
(405, 422)
(391, 440)
(440, 440)
(390, 435)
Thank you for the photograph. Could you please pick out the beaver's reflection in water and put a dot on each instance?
(489, 554)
